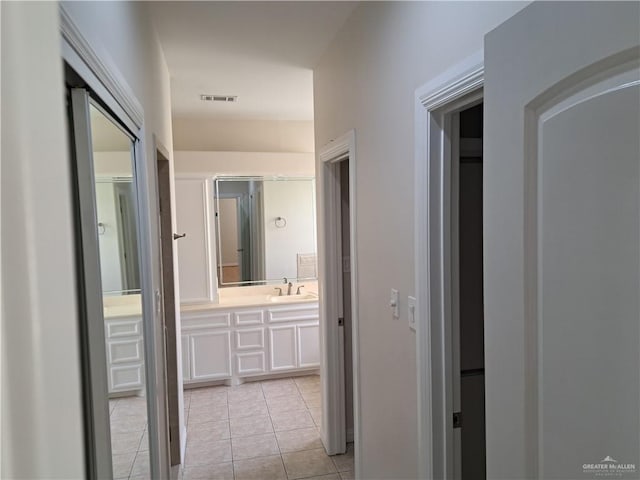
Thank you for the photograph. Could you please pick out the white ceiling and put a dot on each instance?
(263, 52)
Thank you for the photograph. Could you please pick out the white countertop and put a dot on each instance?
(131, 305)
(251, 301)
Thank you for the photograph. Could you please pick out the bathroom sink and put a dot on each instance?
(293, 298)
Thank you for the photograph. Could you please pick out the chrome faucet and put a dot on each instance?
(289, 289)
(279, 291)
(299, 287)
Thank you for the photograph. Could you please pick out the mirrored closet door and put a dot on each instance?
(111, 293)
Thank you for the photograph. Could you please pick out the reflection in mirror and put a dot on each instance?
(266, 229)
(115, 202)
(117, 220)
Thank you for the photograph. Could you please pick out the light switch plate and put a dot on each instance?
(411, 312)
(394, 303)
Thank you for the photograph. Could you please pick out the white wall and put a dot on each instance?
(199, 134)
(293, 201)
(40, 384)
(366, 81)
(245, 163)
(40, 376)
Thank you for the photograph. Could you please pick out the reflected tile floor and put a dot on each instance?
(265, 430)
(129, 439)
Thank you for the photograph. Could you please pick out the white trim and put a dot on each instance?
(333, 416)
(455, 88)
(108, 75)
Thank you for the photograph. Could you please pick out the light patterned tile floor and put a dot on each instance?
(265, 430)
(129, 439)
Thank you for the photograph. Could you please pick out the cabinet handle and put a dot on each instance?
(176, 236)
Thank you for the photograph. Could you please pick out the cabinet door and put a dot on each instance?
(308, 345)
(210, 355)
(283, 347)
(186, 364)
(195, 251)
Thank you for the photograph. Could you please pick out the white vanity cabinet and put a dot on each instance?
(125, 358)
(206, 346)
(294, 337)
(248, 341)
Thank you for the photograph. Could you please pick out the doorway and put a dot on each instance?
(345, 243)
(467, 306)
(339, 321)
(171, 330)
(230, 264)
(449, 323)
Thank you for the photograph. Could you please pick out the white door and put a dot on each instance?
(561, 236)
(195, 251)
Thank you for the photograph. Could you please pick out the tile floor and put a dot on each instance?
(265, 430)
(129, 439)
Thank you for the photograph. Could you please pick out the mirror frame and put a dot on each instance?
(241, 178)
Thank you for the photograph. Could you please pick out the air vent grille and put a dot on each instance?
(219, 98)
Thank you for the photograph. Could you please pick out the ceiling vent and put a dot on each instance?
(219, 98)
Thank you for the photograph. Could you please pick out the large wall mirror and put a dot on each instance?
(265, 229)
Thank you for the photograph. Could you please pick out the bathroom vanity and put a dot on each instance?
(124, 344)
(248, 269)
(250, 335)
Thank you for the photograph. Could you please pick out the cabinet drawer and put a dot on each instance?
(250, 339)
(206, 320)
(249, 317)
(306, 312)
(125, 351)
(124, 328)
(126, 377)
(250, 363)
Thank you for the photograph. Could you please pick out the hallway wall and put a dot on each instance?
(244, 163)
(366, 81)
(41, 411)
(229, 135)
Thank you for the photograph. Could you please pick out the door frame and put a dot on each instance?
(169, 303)
(109, 85)
(435, 103)
(332, 336)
